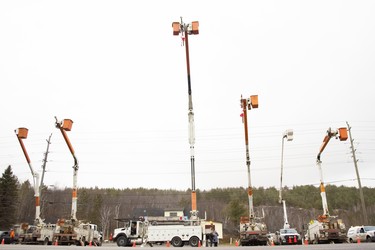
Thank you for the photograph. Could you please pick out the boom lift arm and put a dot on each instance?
(289, 136)
(22, 134)
(66, 125)
(342, 134)
(247, 104)
(186, 30)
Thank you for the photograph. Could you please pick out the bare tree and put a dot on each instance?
(117, 212)
(105, 215)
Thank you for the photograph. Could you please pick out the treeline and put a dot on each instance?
(226, 205)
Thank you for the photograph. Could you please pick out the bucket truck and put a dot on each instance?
(286, 235)
(253, 231)
(327, 228)
(143, 231)
(40, 232)
(175, 233)
(74, 231)
(161, 231)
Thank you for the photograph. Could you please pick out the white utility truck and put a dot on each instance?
(142, 232)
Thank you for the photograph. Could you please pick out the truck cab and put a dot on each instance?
(132, 232)
(253, 234)
(288, 236)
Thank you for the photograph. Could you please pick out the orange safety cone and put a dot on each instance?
(289, 240)
(306, 242)
(110, 237)
(90, 244)
(134, 244)
(167, 245)
(272, 243)
(2, 241)
(236, 243)
(358, 240)
(199, 244)
(56, 243)
(295, 239)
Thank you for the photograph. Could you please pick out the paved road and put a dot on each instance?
(111, 246)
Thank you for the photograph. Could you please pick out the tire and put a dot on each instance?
(122, 241)
(46, 242)
(316, 241)
(194, 241)
(176, 241)
(351, 240)
(368, 239)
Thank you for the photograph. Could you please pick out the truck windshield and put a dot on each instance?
(288, 231)
(369, 228)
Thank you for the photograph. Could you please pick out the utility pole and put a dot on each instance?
(365, 220)
(41, 186)
(45, 162)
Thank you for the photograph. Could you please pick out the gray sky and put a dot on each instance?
(116, 70)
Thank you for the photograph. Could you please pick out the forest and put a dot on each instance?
(225, 205)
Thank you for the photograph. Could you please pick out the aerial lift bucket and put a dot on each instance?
(22, 133)
(343, 134)
(195, 27)
(254, 101)
(67, 124)
(176, 28)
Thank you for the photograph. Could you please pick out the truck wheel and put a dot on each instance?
(46, 242)
(122, 241)
(99, 243)
(176, 241)
(194, 241)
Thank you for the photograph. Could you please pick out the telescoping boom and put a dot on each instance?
(327, 228)
(289, 136)
(185, 30)
(342, 134)
(66, 125)
(247, 104)
(253, 231)
(22, 134)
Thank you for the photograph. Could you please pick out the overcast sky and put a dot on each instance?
(116, 70)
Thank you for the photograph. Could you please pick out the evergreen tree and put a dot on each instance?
(235, 210)
(8, 199)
